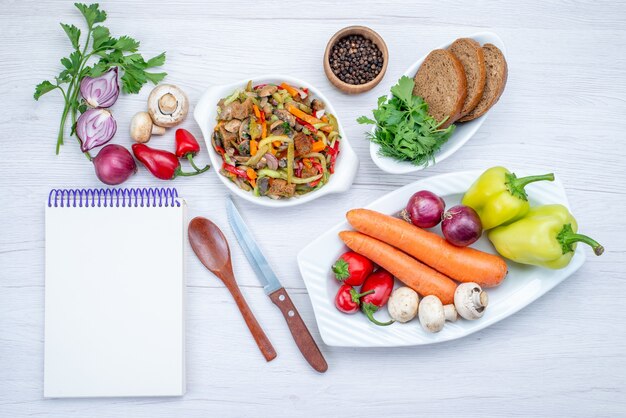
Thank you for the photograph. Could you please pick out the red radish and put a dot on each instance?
(461, 226)
(424, 209)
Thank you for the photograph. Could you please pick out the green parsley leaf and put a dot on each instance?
(155, 78)
(404, 129)
(101, 37)
(157, 61)
(126, 44)
(364, 120)
(92, 13)
(73, 33)
(43, 88)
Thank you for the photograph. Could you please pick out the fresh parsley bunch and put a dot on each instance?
(106, 52)
(404, 129)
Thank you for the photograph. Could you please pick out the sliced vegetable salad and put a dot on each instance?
(276, 140)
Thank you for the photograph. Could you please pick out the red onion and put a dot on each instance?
(101, 91)
(114, 164)
(272, 162)
(95, 127)
(424, 209)
(461, 226)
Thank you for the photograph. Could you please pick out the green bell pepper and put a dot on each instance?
(546, 237)
(498, 196)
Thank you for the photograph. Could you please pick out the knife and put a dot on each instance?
(275, 290)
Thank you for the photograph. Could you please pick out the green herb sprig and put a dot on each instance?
(109, 52)
(404, 129)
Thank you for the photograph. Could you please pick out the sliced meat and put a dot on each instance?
(317, 105)
(280, 188)
(267, 90)
(285, 116)
(228, 138)
(308, 172)
(236, 110)
(233, 125)
(303, 143)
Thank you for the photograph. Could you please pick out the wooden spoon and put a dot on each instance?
(211, 247)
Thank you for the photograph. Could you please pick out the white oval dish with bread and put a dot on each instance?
(460, 81)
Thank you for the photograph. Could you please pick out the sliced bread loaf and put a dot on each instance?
(497, 73)
(441, 82)
(470, 53)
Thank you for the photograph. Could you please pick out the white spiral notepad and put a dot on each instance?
(114, 293)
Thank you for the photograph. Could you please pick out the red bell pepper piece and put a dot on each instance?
(334, 152)
(162, 164)
(187, 147)
(382, 283)
(236, 171)
(348, 300)
(307, 125)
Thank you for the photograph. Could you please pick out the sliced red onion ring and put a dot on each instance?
(272, 162)
(101, 91)
(95, 127)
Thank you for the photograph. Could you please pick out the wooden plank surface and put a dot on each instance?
(564, 109)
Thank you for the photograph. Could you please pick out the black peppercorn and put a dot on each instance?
(355, 60)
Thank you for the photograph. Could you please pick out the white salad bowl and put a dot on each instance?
(522, 286)
(205, 114)
(462, 133)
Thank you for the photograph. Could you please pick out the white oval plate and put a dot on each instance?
(463, 132)
(522, 286)
(205, 114)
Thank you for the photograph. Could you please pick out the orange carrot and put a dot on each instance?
(290, 89)
(257, 112)
(408, 270)
(307, 118)
(254, 147)
(318, 146)
(463, 264)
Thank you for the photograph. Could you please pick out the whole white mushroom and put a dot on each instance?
(403, 303)
(433, 314)
(470, 300)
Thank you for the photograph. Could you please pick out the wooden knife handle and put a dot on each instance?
(299, 331)
(255, 329)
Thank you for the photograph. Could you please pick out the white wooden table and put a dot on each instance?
(563, 110)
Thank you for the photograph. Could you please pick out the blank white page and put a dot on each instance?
(114, 312)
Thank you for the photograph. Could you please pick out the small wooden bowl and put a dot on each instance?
(367, 33)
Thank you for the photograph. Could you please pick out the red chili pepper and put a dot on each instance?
(315, 183)
(307, 125)
(382, 283)
(162, 164)
(236, 171)
(220, 151)
(348, 300)
(334, 152)
(187, 147)
(352, 268)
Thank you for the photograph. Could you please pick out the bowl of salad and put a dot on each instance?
(275, 141)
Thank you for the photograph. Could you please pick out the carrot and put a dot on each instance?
(254, 147)
(290, 89)
(257, 112)
(318, 146)
(307, 118)
(408, 270)
(463, 264)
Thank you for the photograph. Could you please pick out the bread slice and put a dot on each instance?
(471, 55)
(441, 82)
(497, 73)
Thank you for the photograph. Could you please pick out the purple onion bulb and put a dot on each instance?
(424, 209)
(114, 164)
(461, 226)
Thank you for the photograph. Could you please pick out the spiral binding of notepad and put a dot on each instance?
(144, 197)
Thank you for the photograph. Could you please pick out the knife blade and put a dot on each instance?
(273, 288)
